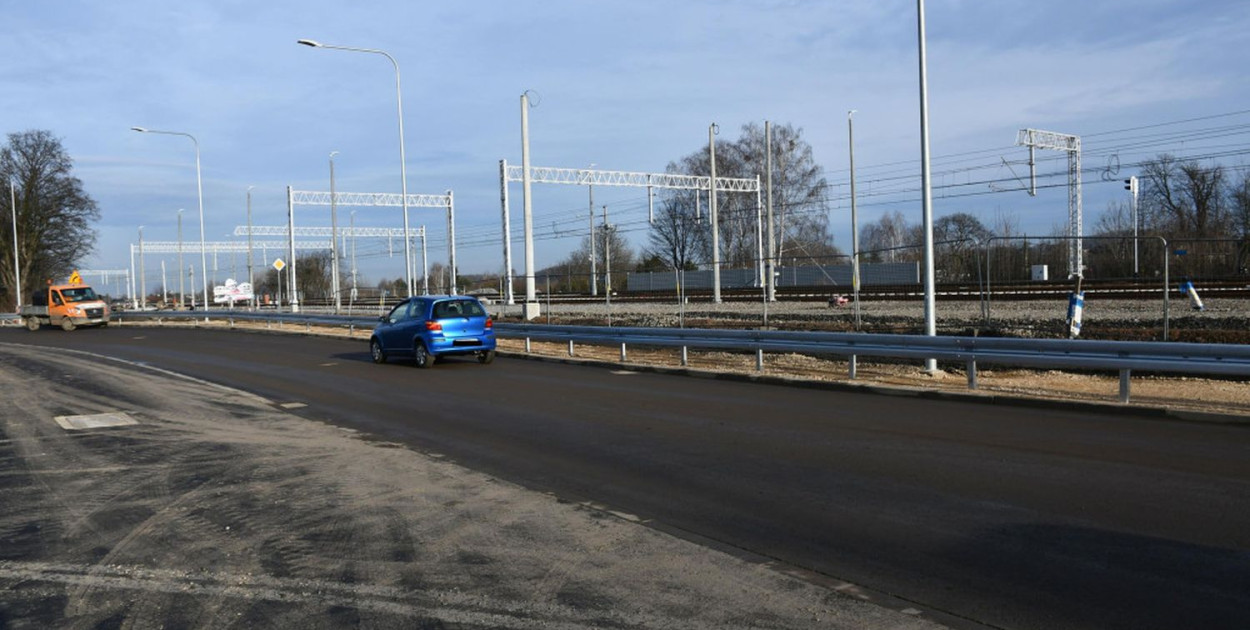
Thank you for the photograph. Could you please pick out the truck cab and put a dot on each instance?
(66, 305)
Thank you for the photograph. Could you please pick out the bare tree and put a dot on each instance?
(1239, 202)
(880, 240)
(54, 213)
(577, 264)
(1184, 199)
(801, 210)
(679, 236)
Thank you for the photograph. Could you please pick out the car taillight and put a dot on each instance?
(433, 325)
(489, 323)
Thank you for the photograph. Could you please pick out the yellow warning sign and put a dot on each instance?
(279, 264)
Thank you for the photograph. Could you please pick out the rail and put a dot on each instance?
(1125, 357)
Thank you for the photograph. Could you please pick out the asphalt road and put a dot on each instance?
(997, 515)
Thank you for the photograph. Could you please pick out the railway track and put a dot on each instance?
(1009, 291)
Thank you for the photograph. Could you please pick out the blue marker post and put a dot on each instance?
(1076, 307)
(1195, 302)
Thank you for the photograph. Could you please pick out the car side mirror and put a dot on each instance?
(384, 319)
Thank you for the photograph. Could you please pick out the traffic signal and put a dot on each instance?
(1130, 184)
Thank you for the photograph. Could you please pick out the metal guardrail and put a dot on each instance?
(1125, 357)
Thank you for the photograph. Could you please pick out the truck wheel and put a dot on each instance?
(32, 324)
(67, 324)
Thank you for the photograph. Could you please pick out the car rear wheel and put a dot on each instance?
(67, 324)
(32, 324)
(485, 357)
(375, 351)
(421, 356)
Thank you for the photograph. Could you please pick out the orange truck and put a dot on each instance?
(66, 305)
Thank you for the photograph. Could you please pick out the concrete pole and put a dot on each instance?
(850, 135)
(607, 257)
(507, 233)
(17, 270)
(251, 279)
(594, 280)
(143, 292)
(134, 297)
(334, 237)
(291, 289)
(425, 265)
(182, 292)
(930, 318)
(353, 229)
(451, 239)
(712, 216)
(759, 235)
(531, 305)
(772, 243)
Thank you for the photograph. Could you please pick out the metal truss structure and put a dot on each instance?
(379, 200)
(1070, 144)
(210, 247)
(281, 230)
(108, 275)
(384, 200)
(222, 247)
(592, 177)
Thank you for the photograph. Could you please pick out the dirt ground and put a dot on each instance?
(218, 509)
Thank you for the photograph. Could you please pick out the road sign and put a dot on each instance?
(278, 264)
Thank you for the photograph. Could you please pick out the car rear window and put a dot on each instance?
(458, 308)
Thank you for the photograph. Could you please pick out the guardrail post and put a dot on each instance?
(528, 349)
(1124, 385)
(685, 356)
(231, 320)
(570, 347)
(972, 374)
(759, 359)
(622, 352)
(851, 364)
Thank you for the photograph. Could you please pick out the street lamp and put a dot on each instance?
(199, 185)
(403, 169)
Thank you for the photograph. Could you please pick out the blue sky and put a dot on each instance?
(626, 85)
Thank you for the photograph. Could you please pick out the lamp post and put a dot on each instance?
(930, 316)
(403, 172)
(199, 185)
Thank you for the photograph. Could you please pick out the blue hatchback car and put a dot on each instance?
(430, 326)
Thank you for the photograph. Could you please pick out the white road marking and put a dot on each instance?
(292, 405)
(94, 421)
